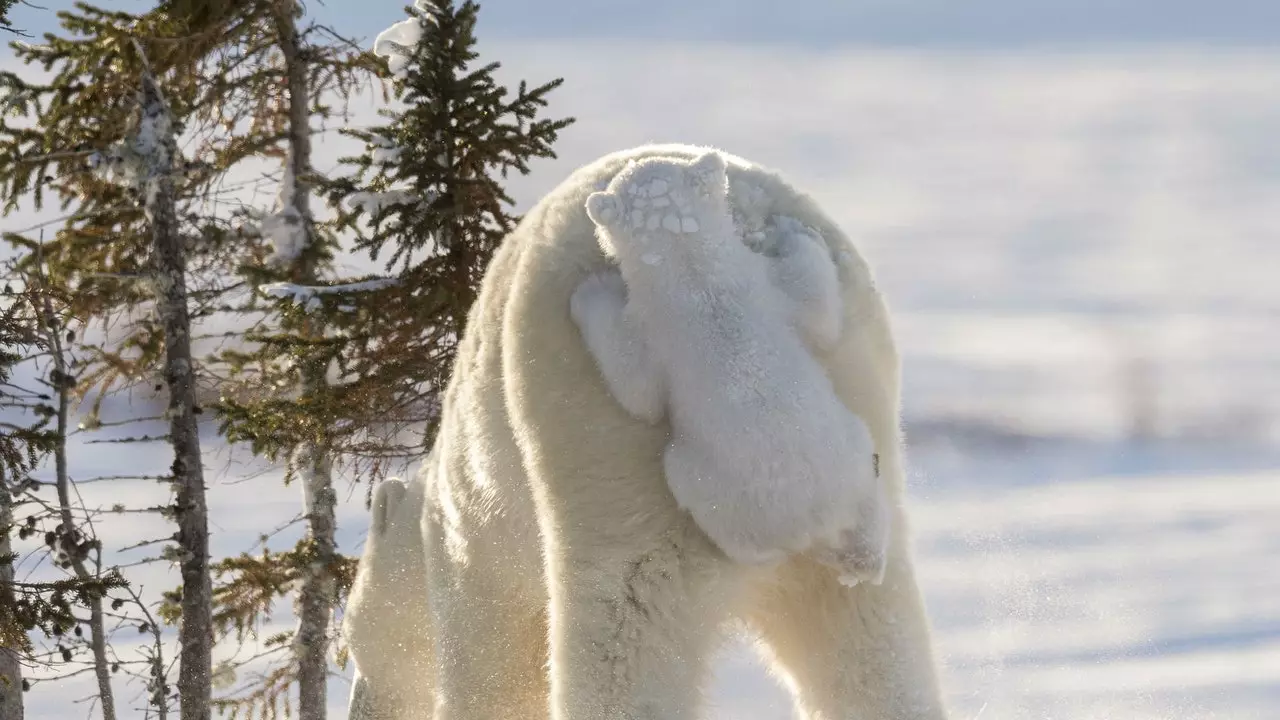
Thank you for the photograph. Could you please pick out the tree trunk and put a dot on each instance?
(315, 599)
(311, 461)
(169, 268)
(10, 662)
(97, 631)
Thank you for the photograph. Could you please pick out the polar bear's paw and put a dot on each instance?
(600, 297)
(599, 307)
(804, 271)
(854, 557)
(859, 553)
(656, 202)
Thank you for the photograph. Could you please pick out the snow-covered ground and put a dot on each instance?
(1060, 595)
(1080, 250)
(1057, 593)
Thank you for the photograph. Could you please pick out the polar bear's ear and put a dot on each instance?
(603, 208)
(386, 498)
(710, 172)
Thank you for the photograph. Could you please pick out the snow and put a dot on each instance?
(141, 157)
(117, 165)
(397, 43)
(398, 38)
(374, 203)
(151, 144)
(1063, 582)
(308, 296)
(1138, 596)
(285, 229)
(385, 151)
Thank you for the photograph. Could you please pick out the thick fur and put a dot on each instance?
(387, 622)
(564, 578)
(763, 454)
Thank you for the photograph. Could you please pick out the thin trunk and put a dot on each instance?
(10, 662)
(156, 135)
(315, 598)
(316, 595)
(299, 115)
(97, 631)
(158, 685)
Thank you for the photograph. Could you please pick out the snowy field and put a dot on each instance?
(1080, 249)
(1140, 596)
(1057, 593)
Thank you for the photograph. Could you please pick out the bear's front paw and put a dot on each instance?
(600, 294)
(859, 553)
(856, 557)
(805, 272)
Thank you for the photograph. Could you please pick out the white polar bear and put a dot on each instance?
(564, 579)
(763, 454)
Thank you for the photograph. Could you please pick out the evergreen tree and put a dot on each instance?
(123, 252)
(42, 338)
(72, 547)
(21, 447)
(428, 194)
(357, 360)
(5, 6)
(332, 368)
(156, 144)
(276, 389)
(35, 429)
(245, 83)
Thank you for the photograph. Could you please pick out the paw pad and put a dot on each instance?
(661, 195)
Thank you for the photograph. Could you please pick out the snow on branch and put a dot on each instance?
(397, 42)
(373, 203)
(385, 152)
(308, 296)
(285, 229)
(118, 164)
(146, 153)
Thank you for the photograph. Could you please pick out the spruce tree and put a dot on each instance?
(123, 252)
(33, 431)
(73, 548)
(427, 197)
(5, 6)
(21, 448)
(355, 361)
(242, 83)
(276, 395)
(332, 368)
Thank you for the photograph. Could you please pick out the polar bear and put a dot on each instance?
(563, 578)
(763, 454)
(387, 621)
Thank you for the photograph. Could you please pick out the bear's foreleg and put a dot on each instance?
(805, 274)
(491, 642)
(599, 307)
(852, 653)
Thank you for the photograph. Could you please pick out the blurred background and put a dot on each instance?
(1073, 208)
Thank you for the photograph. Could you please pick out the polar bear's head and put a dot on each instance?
(658, 208)
(386, 622)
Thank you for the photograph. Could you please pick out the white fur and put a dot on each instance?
(763, 454)
(804, 272)
(387, 622)
(564, 578)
